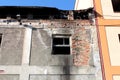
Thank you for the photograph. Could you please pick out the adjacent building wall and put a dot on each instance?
(108, 11)
(108, 26)
(83, 4)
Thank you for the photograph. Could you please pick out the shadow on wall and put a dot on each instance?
(66, 68)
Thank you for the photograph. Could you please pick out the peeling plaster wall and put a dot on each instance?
(84, 47)
(82, 64)
(80, 42)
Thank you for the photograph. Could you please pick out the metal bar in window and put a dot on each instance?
(61, 36)
(61, 45)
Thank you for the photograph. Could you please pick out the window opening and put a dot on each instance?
(61, 45)
(116, 5)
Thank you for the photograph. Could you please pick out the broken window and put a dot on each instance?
(0, 38)
(61, 45)
(116, 5)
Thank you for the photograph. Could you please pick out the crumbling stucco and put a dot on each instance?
(83, 63)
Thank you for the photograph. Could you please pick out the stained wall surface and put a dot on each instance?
(26, 51)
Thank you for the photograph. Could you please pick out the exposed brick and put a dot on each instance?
(80, 46)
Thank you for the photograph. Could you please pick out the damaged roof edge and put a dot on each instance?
(40, 7)
(32, 7)
(41, 12)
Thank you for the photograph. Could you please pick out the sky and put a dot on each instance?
(60, 4)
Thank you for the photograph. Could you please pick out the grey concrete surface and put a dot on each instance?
(11, 46)
(9, 77)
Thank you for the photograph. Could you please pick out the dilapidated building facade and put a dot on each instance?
(40, 43)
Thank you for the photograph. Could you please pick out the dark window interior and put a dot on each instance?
(61, 46)
(61, 50)
(0, 38)
(61, 41)
(66, 41)
(119, 37)
(116, 5)
(57, 41)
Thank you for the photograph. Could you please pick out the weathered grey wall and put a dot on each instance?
(80, 43)
(41, 47)
(11, 46)
(84, 50)
(41, 50)
(9, 77)
(82, 64)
